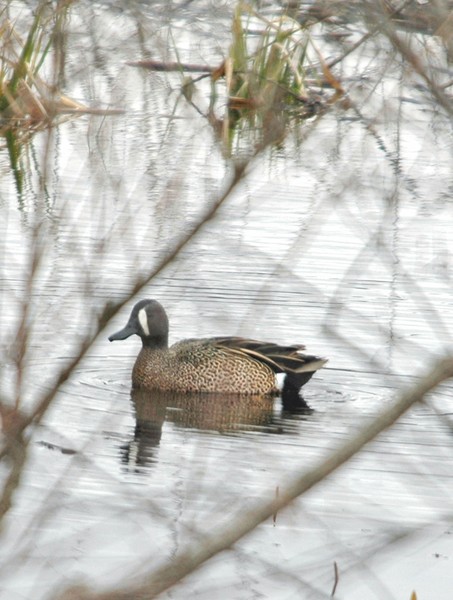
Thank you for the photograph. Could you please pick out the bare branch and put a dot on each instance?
(223, 538)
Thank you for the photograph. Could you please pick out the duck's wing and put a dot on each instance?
(281, 359)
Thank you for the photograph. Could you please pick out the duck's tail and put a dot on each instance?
(290, 360)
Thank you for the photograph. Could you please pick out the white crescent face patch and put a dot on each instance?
(143, 320)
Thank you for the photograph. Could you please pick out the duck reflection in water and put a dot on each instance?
(204, 412)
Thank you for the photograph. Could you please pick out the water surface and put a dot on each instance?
(324, 242)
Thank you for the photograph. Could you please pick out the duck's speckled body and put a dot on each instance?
(228, 365)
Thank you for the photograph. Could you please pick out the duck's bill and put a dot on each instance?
(122, 334)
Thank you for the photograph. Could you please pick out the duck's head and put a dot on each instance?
(149, 321)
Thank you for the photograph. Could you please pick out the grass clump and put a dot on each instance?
(27, 103)
(273, 75)
(30, 102)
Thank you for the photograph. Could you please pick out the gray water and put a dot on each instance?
(340, 239)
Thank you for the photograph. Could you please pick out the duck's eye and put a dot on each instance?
(143, 320)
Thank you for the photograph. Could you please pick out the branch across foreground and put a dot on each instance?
(171, 572)
(165, 575)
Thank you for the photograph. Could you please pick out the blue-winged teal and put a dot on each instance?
(220, 364)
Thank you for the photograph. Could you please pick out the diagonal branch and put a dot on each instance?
(165, 576)
(112, 309)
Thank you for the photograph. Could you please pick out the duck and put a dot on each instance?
(224, 365)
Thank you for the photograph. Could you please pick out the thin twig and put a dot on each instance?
(368, 35)
(337, 578)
